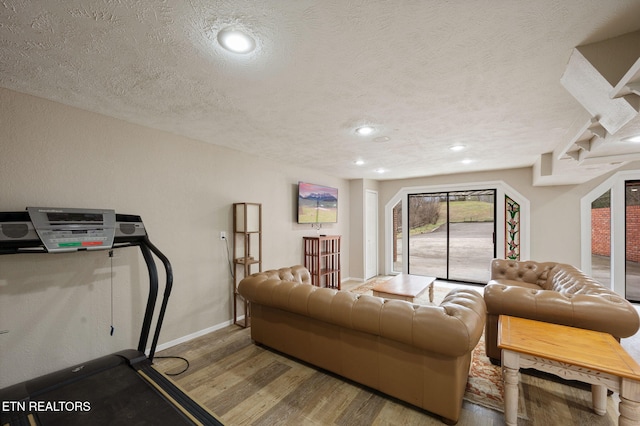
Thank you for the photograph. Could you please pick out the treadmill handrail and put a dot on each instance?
(147, 248)
(167, 292)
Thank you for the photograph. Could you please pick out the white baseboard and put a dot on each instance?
(192, 336)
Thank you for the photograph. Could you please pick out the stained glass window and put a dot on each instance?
(512, 229)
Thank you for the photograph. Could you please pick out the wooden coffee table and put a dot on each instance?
(572, 353)
(405, 287)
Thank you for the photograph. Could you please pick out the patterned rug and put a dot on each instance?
(484, 386)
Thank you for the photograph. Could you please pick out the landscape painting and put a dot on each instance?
(317, 203)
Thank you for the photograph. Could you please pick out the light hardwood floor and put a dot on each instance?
(246, 384)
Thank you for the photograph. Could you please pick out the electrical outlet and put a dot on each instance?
(223, 235)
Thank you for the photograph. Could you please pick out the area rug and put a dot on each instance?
(484, 386)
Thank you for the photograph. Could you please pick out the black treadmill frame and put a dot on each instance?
(137, 360)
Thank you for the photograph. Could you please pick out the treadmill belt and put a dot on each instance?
(117, 396)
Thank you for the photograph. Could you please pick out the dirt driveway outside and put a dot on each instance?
(471, 249)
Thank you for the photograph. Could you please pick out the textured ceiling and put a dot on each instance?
(427, 74)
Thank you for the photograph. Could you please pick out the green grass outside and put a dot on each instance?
(460, 211)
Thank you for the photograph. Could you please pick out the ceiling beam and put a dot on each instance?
(618, 158)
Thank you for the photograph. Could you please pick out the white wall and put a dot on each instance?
(57, 308)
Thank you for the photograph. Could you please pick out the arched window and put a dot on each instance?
(610, 227)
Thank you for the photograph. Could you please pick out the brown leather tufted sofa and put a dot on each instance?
(553, 292)
(419, 354)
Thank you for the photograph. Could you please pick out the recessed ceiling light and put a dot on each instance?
(380, 171)
(359, 162)
(364, 130)
(457, 147)
(236, 41)
(635, 138)
(467, 161)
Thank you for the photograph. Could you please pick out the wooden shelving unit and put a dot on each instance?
(247, 252)
(322, 259)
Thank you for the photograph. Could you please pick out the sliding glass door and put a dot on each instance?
(452, 234)
(428, 234)
(632, 240)
(397, 237)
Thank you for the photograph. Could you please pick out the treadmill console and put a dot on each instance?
(65, 229)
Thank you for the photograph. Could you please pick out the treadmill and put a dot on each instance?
(118, 389)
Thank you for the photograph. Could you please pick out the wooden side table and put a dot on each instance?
(571, 353)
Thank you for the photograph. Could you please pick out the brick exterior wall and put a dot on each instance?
(601, 231)
(601, 234)
(633, 233)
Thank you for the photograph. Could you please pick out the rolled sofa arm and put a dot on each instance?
(607, 313)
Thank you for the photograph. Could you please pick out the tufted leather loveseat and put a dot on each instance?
(556, 293)
(419, 354)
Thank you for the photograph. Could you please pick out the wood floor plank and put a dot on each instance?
(255, 406)
(295, 403)
(252, 385)
(286, 406)
(234, 394)
(333, 402)
(213, 380)
(475, 415)
(393, 413)
(363, 409)
(203, 352)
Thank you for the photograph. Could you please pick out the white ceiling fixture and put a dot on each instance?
(359, 162)
(635, 139)
(236, 41)
(457, 147)
(365, 130)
